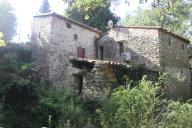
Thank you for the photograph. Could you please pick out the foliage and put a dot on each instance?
(115, 1)
(45, 7)
(172, 15)
(61, 108)
(8, 20)
(27, 101)
(132, 74)
(18, 84)
(2, 42)
(177, 115)
(178, 88)
(143, 18)
(132, 108)
(95, 13)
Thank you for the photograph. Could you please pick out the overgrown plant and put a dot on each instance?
(177, 115)
(18, 84)
(2, 42)
(132, 107)
(64, 108)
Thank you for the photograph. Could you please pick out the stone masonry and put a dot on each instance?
(57, 38)
(158, 50)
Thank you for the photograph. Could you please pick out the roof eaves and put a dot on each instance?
(159, 28)
(97, 61)
(70, 20)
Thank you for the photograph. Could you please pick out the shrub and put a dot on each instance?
(177, 115)
(58, 109)
(18, 87)
(132, 107)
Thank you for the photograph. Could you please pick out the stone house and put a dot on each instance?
(58, 41)
(157, 49)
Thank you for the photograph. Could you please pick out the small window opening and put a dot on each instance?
(101, 52)
(68, 25)
(121, 48)
(75, 37)
(183, 46)
(181, 71)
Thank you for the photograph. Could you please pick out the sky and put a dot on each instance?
(26, 9)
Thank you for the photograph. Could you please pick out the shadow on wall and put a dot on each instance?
(109, 47)
(137, 59)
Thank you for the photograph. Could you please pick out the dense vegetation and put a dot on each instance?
(173, 15)
(8, 20)
(95, 13)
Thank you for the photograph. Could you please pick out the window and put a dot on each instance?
(68, 25)
(101, 52)
(121, 48)
(75, 37)
(80, 52)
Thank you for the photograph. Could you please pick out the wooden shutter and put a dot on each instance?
(80, 52)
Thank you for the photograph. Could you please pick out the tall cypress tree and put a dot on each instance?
(45, 7)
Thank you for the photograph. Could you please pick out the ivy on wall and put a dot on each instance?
(132, 74)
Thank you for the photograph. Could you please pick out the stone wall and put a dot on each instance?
(110, 47)
(173, 51)
(158, 50)
(178, 83)
(41, 34)
(90, 79)
(175, 62)
(62, 39)
(98, 82)
(143, 44)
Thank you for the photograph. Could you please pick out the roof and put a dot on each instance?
(94, 61)
(69, 20)
(158, 28)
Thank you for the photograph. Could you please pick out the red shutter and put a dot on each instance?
(80, 52)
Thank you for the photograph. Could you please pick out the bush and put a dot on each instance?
(59, 108)
(132, 108)
(18, 87)
(177, 115)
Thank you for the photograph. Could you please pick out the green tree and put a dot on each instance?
(172, 15)
(143, 18)
(2, 42)
(45, 7)
(8, 20)
(18, 84)
(95, 13)
(132, 107)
